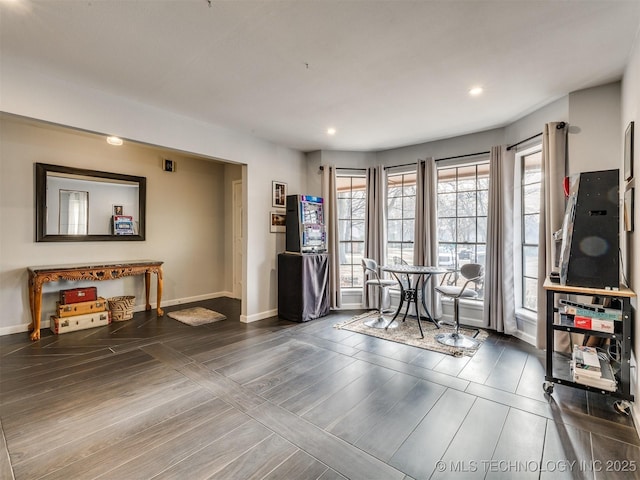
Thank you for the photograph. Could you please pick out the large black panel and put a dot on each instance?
(590, 252)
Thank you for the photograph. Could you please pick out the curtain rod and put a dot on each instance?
(523, 141)
(346, 168)
(440, 159)
(560, 126)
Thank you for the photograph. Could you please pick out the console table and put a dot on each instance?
(96, 271)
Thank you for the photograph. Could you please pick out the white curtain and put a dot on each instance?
(330, 196)
(499, 303)
(552, 204)
(375, 225)
(425, 249)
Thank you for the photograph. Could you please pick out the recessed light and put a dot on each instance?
(475, 91)
(331, 131)
(114, 141)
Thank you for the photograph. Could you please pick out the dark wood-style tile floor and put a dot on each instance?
(152, 398)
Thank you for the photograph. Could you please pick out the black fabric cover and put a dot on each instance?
(303, 281)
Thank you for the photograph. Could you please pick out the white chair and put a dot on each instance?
(473, 273)
(370, 268)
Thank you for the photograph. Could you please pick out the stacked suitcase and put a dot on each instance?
(79, 309)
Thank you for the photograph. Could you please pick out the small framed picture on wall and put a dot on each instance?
(628, 152)
(277, 220)
(278, 194)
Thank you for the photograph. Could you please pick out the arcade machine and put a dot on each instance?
(303, 269)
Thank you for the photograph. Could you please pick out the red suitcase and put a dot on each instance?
(76, 295)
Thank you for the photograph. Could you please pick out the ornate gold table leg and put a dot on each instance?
(35, 297)
(159, 291)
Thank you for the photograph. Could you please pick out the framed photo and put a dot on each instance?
(278, 194)
(118, 210)
(277, 221)
(628, 152)
(628, 209)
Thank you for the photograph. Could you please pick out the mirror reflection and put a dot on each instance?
(64, 212)
(73, 217)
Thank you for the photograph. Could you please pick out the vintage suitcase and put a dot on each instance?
(68, 310)
(79, 322)
(76, 295)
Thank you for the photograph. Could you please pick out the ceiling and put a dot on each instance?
(384, 74)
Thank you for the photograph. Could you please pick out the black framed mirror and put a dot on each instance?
(80, 205)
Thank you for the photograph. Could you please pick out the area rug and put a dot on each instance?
(196, 316)
(408, 333)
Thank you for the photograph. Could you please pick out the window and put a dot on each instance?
(351, 192)
(463, 198)
(530, 164)
(401, 211)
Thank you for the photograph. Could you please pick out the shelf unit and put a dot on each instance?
(560, 374)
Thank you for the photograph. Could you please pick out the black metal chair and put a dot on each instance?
(370, 268)
(473, 273)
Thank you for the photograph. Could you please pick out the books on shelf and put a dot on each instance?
(591, 310)
(123, 225)
(589, 368)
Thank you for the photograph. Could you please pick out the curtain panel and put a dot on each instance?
(375, 225)
(499, 302)
(330, 196)
(425, 247)
(552, 205)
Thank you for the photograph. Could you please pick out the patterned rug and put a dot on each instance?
(196, 316)
(408, 333)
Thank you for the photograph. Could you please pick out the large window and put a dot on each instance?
(401, 212)
(463, 196)
(351, 215)
(530, 165)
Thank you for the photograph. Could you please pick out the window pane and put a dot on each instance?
(531, 198)
(483, 176)
(408, 230)
(409, 207)
(467, 178)
(344, 207)
(446, 180)
(482, 230)
(466, 230)
(483, 203)
(530, 261)
(357, 230)
(447, 205)
(531, 228)
(394, 230)
(530, 294)
(394, 209)
(447, 229)
(466, 204)
(394, 249)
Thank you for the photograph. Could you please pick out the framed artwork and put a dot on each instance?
(277, 221)
(118, 210)
(278, 194)
(628, 209)
(628, 152)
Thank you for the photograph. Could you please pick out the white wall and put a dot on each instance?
(631, 113)
(32, 92)
(594, 129)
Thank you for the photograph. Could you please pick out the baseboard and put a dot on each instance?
(24, 327)
(258, 316)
